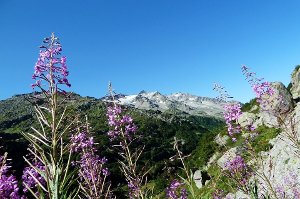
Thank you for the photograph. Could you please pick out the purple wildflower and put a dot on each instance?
(92, 172)
(231, 114)
(262, 89)
(30, 175)
(289, 187)
(122, 125)
(134, 188)
(8, 183)
(50, 66)
(238, 170)
(176, 190)
(80, 142)
(218, 194)
(280, 192)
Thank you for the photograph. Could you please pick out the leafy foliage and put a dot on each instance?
(248, 107)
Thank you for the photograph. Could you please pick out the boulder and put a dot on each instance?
(221, 140)
(228, 156)
(201, 178)
(280, 103)
(198, 179)
(296, 122)
(247, 119)
(295, 89)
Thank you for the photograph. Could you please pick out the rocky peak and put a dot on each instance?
(295, 89)
(179, 102)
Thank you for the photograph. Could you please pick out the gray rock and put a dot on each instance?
(295, 90)
(247, 119)
(280, 165)
(221, 140)
(282, 100)
(237, 195)
(198, 179)
(211, 160)
(228, 156)
(296, 122)
(280, 103)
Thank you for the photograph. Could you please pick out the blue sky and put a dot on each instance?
(154, 45)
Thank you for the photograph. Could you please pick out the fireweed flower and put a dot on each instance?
(81, 141)
(30, 175)
(92, 170)
(239, 171)
(122, 125)
(51, 67)
(290, 187)
(262, 89)
(218, 194)
(232, 113)
(176, 190)
(8, 183)
(123, 131)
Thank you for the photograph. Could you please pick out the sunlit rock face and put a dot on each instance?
(295, 89)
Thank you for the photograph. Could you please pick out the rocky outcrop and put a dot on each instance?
(281, 165)
(281, 100)
(247, 119)
(295, 89)
(198, 179)
(229, 156)
(279, 104)
(221, 140)
(201, 178)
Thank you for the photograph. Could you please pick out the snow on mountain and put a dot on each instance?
(179, 102)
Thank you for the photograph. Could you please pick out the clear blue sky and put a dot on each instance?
(154, 45)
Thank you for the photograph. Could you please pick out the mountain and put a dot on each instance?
(180, 103)
(159, 119)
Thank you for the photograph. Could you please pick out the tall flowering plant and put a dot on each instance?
(236, 168)
(92, 171)
(232, 112)
(262, 89)
(123, 132)
(48, 174)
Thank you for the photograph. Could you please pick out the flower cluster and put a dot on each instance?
(232, 113)
(9, 187)
(134, 188)
(262, 89)
(8, 183)
(51, 67)
(81, 141)
(176, 191)
(31, 176)
(92, 170)
(122, 125)
(218, 194)
(290, 187)
(238, 170)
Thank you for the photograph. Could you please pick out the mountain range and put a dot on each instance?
(180, 103)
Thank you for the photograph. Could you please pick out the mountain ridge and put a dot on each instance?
(181, 102)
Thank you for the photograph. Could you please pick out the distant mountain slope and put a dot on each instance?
(177, 102)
